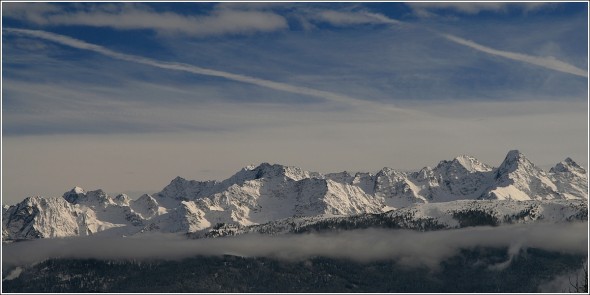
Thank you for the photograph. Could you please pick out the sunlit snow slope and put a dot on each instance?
(261, 194)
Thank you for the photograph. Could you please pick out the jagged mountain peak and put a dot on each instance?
(514, 154)
(425, 174)
(175, 186)
(34, 200)
(515, 160)
(182, 189)
(568, 165)
(262, 166)
(387, 170)
(343, 173)
(77, 195)
(266, 192)
(97, 197)
(360, 175)
(250, 167)
(78, 190)
(122, 199)
(471, 164)
(461, 164)
(96, 192)
(390, 172)
(39, 217)
(269, 171)
(519, 179)
(570, 178)
(177, 182)
(178, 179)
(146, 206)
(342, 177)
(146, 200)
(74, 194)
(181, 181)
(570, 161)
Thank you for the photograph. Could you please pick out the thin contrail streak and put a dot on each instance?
(545, 62)
(549, 63)
(68, 41)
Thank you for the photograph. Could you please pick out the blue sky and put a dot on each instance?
(126, 96)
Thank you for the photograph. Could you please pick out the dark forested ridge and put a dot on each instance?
(470, 270)
(398, 219)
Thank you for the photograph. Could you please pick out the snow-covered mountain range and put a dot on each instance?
(264, 194)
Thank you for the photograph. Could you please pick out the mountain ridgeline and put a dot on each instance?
(277, 199)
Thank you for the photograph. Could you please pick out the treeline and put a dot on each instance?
(468, 271)
(391, 220)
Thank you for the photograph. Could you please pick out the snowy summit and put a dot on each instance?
(269, 192)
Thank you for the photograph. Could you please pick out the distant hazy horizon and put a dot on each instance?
(126, 96)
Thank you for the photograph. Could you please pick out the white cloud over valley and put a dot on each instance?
(410, 248)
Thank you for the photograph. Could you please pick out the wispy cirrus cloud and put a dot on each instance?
(56, 91)
(545, 62)
(133, 16)
(345, 18)
(225, 19)
(359, 17)
(79, 44)
(429, 9)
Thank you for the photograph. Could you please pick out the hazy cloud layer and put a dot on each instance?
(408, 247)
(289, 136)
